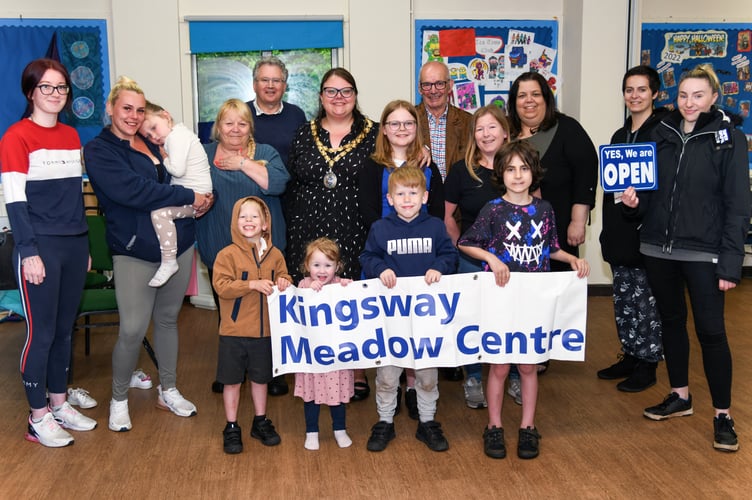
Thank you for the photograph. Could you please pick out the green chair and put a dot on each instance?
(98, 297)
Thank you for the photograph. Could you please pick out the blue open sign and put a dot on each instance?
(624, 165)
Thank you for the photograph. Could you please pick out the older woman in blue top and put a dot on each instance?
(240, 168)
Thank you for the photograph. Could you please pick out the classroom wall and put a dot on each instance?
(148, 41)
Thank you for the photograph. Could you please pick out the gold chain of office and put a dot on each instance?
(341, 151)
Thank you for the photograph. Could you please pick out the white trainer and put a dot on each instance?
(120, 420)
(48, 432)
(80, 397)
(515, 390)
(140, 380)
(171, 399)
(70, 418)
(474, 397)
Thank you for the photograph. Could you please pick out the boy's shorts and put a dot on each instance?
(240, 355)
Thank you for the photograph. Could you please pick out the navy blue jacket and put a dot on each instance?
(408, 248)
(129, 186)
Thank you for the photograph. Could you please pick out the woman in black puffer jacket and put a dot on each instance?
(693, 233)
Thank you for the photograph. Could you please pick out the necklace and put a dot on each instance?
(330, 178)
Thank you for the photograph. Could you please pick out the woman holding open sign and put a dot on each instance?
(637, 320)
(692, 236)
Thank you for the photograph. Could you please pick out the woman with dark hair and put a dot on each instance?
(326, 158)
(637, 322)
(567, 154)
(41, 177)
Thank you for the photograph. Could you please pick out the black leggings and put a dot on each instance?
(668, 279)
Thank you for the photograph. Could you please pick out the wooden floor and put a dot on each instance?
(596, 444)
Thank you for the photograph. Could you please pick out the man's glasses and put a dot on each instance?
(331, 92)
(394, 126)
(45, 89)
(440, 85)
(274, 81)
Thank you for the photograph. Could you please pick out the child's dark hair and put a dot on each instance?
(529, 156)
(329, 248)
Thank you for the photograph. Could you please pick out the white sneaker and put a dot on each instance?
(474, 397)
(120, 421)
(140, 380)
(72, 419)
(343, 440)
(164, 273)
(48, 432)
(515, 390)
(171, 399)
(80, 397)
(311, 441)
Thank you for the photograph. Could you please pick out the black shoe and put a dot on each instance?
(233, 439)
(642, 377)
(431, 434)
(381, 433)
(278, 386)
(724, 433)
(621, 369)
(452, 374)
(493, 442)
(527, 446)
(362, 390)
(672, 406)
(263, 430)
(218, 387)
(398, 408)
(411, 402)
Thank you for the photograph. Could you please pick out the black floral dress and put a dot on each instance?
(314, 210)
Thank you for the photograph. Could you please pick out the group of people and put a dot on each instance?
(277, 200)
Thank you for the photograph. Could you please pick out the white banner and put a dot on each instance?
(463, 319)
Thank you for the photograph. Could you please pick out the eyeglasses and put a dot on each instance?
(331, 92)
(45, 89)
(440, 85)
(394, 126)
(273, 81)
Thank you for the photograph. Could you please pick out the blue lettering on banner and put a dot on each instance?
(419, 348)
(347, 314)
(625, 165)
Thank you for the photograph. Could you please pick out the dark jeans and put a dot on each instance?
(668, 280)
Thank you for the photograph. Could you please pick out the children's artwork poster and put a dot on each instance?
(462, 319)
(485, 57)
(675, 48)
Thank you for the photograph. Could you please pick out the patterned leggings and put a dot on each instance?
(162, 220)
(637, 320)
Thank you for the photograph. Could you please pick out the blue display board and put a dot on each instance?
(485, 57)
(81, 45)
(675, 48)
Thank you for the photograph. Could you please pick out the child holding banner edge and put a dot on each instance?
(245, 273)
(407, 243)
(516, 232)
(320, 267)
